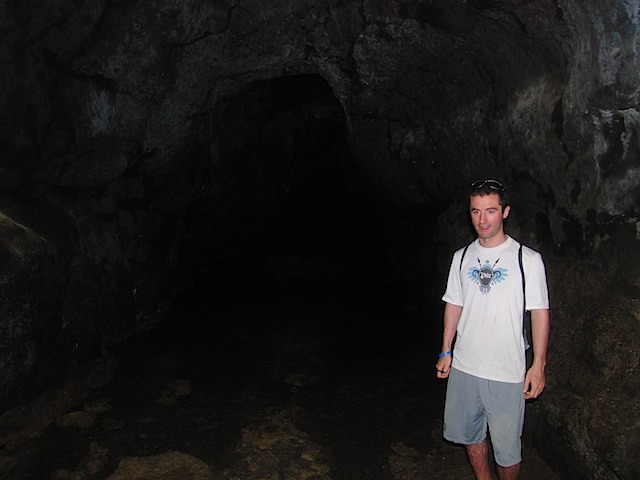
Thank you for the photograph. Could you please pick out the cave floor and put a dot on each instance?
(256, 376)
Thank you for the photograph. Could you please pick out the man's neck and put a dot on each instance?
(494, 241)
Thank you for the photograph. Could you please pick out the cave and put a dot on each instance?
(273, 192)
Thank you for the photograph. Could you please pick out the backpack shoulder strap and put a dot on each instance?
(526, 322)
(464, 252)
(521, 271)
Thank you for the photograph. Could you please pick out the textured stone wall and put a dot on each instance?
(114, 122)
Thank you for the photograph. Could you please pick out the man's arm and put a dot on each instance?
(535, 380)
(451, 318)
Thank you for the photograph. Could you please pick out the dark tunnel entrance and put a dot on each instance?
(285, 191)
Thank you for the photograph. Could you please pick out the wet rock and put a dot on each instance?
(77, 419)
(168, 466)
(30, 420)
(275, 450)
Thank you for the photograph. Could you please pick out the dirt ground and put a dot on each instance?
(256, 375)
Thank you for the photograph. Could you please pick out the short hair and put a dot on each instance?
(488, 187)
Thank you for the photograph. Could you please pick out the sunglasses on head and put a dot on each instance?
(492, 184)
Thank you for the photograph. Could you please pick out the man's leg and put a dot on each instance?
(504, 405)
(465, 422)
(509, 473)
(479, 458)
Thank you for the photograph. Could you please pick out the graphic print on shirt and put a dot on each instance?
(486, 275)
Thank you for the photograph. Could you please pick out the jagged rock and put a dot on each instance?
(77, 419)
(275, 449)
(168, 466)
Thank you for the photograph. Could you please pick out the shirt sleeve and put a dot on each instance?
(536, 290)
(453, 292)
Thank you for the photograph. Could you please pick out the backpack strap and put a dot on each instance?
(523, 280)
(526, 326)
(464, 252)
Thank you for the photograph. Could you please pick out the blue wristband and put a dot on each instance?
(444, 354)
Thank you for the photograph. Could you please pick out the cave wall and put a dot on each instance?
(113, 135)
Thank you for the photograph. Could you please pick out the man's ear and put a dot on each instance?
(506, 211)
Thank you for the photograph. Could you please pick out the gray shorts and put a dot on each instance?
(474, 403)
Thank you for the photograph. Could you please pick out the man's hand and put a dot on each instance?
(534, 383)
(443, 367)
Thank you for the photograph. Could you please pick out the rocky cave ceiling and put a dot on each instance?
(140, 137)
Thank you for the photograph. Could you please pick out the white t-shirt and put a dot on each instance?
(488, 287)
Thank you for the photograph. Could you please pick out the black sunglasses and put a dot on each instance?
(492, 184)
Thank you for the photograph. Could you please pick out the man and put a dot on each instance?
(488, 381)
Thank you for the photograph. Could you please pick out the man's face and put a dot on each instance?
(487, 217)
